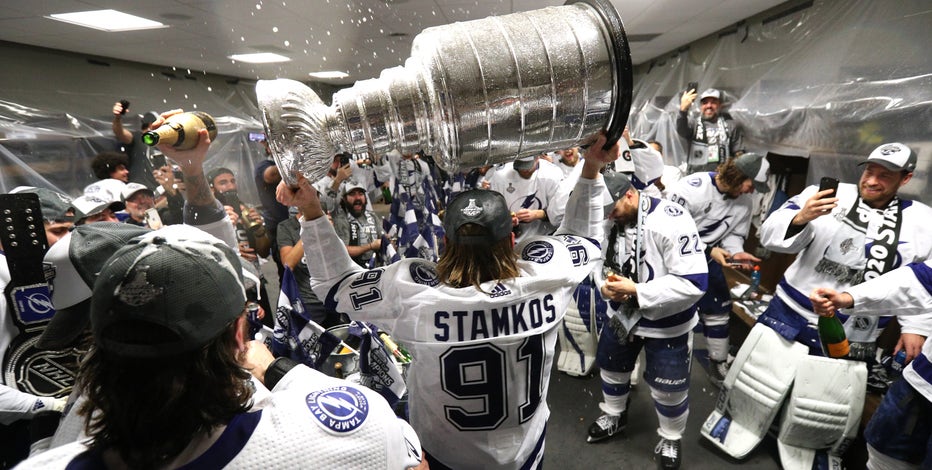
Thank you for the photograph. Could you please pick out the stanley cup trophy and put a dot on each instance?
(471, 94)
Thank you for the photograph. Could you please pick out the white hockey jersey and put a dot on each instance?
(673, 274)
(309, 420)
(721, 220)
(540, 191)
(814, 242)
(482, 359)
(903, 291)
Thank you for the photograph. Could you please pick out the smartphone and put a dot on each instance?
(344, 159)
(158, 160)
(179, 176)
(152, 218)
(827, 182)
(125, 105)
(693, 86)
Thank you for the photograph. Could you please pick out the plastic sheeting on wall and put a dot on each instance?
(55, 115)
(829, 82)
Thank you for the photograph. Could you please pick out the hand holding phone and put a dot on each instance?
(152, 218)
(693, 86)
(125, 104)
(158, 160)
(827, 182)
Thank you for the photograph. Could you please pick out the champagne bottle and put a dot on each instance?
(832, 336)
(180, 131)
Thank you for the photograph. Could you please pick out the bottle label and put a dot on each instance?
(837, 349)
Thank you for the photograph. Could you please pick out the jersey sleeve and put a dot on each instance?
(326, 255)
(734, 240)
(774, 230)
(905, 292)
(583, 214)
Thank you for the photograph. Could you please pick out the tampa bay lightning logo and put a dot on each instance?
(32, 303)
(537, 251)
(424, 274)
(338, 410)
(694, 182)
(672, 210)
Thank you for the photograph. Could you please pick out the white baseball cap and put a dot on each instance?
(893, 156)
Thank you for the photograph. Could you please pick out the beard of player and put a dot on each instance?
(464, 265)
(157, 398)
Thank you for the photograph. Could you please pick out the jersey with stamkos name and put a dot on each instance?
(482, 358)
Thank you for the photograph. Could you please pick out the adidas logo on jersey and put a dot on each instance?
(499, 290)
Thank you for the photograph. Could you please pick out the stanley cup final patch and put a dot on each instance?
(339, 410)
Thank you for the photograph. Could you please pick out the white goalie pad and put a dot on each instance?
(756, 384)
(823, 411)
(578, 343)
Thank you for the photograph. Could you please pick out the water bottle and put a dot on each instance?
(896, 365)
(180, 131)
(832, 336)
(753, 291)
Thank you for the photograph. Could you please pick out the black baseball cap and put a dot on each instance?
(482, 207)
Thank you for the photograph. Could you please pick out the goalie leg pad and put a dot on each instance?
(823, 411)
(579, 340)
(752, 392)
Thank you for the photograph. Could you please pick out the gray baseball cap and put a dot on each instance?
(55, 205)
(77, 258)
(525, 163)
(168, 292)
(754, 166)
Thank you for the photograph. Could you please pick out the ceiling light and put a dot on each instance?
(259, 58)
(329, 74)
(107, 20)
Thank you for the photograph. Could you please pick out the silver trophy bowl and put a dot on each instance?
(471, 94)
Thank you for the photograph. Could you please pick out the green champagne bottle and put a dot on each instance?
(832, 336)
(180, 131)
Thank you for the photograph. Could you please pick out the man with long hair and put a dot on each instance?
(720, 204)
(167, 379)
(481, 324)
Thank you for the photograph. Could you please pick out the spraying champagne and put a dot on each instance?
(180, 131)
